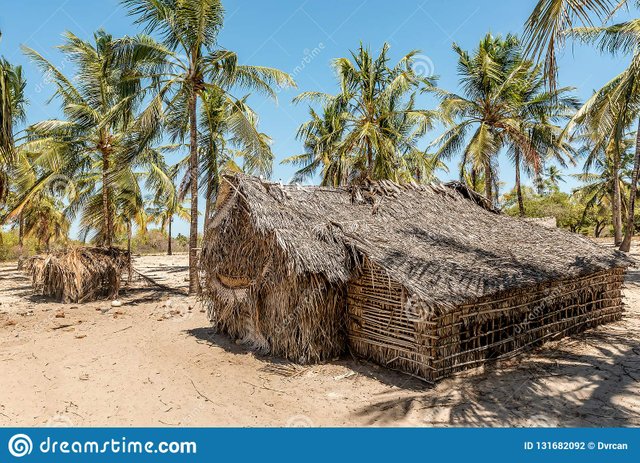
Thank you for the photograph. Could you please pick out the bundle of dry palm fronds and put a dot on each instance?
(79, 274)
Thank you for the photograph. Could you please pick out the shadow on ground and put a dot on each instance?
(551, 386)
(526, 392)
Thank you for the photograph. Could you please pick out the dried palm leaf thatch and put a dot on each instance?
(78, 274)
(428, 279)
(253, 294)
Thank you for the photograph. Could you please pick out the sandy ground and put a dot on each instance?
(155, 362)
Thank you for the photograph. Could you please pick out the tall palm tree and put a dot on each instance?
(545, 31)
(605, 176)
(190, 28)
(104, 120)
(504, 105)
(371, 124)
(224, 149)
(540, 112)
(489, 79)
(613, 109)
(12, 111)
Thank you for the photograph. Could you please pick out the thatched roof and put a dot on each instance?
(443, 244)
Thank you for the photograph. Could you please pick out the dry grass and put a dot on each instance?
(79, 274)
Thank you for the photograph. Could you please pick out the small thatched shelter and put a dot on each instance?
(425, 279)
(79, 274)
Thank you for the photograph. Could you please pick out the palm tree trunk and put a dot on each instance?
(539, 183)
(617, 201)
(107, 231)
(21, 232)
(519, 185)
(194, 285)
(207, 205)
(474, 178)
(129, 249)
(369, 160)
(488, 189)
(169, 252)
(628, 233)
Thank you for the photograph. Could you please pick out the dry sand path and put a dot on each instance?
(154, 362)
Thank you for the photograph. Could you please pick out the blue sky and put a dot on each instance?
(302, 37)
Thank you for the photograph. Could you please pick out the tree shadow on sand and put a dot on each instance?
(555, 387)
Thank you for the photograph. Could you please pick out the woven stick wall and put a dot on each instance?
(385, 326)
(508, 324)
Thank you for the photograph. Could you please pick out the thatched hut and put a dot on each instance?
(425, 279)
(78, 274)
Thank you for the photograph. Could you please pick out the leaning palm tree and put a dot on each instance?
(613, 109)
(104, 120)
(376, 106)
(545, 31)
(190, 28)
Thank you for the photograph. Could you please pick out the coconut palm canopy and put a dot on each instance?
(435, 240)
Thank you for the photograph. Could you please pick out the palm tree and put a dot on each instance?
(12, 111)
(372, 127)
(45, 220)
(554, 176)
(605, 169)
(166, 204)
(104, 123)
(504, 106)
(322, 136)
(614, 108)
(191, 27)
(539, 112)
(546, 27)
(224, 149)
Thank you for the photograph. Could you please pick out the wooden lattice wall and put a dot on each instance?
(384, 325)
